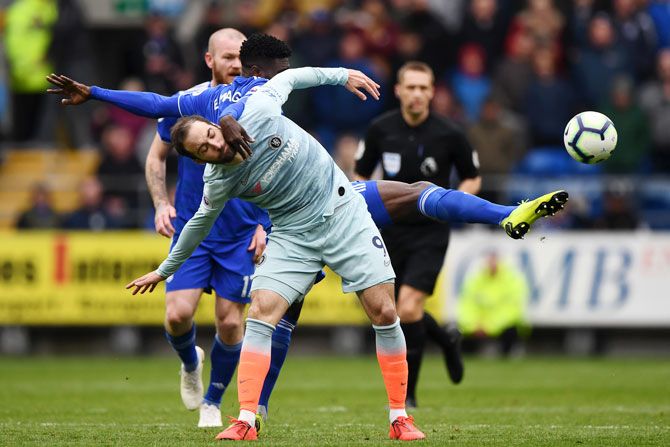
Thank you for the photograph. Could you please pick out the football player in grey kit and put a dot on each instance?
(318, 220)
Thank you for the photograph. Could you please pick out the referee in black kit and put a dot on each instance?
(413, 145)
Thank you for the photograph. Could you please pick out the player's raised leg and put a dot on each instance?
(519, 221)
(390, 201)
(180, 332)
(403, 200)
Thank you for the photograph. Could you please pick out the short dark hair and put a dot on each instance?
(415, 66)
(179, 131)
(259, 48)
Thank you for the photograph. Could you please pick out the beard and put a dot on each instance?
(224, 76)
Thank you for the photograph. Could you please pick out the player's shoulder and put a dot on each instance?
(195, 90)
(387, 120)
(242, 81)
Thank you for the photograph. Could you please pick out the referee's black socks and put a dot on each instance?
(415, 338)
(450, 343)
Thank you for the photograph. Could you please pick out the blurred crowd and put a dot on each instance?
(511, 72)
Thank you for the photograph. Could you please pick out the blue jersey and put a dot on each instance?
(239, 218)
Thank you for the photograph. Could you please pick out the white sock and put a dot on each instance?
(247, 416)
(394, 414)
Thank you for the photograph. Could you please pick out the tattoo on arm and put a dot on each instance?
(156, 182)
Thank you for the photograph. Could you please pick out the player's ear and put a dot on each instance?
(209, 59)
(431, 92)
(256, 71)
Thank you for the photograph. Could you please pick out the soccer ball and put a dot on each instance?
(590, 137)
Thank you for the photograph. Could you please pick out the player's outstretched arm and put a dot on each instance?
(358, 80)
(75, 93)
(194, 232)
(299, 78)
(146, 283)
(150, 105)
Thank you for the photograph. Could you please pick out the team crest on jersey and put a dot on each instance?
(391, 162)
(275, 142)
(257, 189)
(429, 167)
(206, 201)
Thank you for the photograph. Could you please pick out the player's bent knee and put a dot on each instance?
(177, 317)
(229, 324)
(259, 310)
(421, 186)
(384, 314)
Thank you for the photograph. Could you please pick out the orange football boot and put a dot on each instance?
(403, 429)
(238, 431)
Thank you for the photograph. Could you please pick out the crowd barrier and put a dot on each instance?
(616, 279)
(66, 279)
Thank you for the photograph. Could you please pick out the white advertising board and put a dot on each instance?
(614, 279)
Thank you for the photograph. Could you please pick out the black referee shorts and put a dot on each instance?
(417, 257)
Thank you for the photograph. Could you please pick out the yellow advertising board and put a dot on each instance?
(78, 279)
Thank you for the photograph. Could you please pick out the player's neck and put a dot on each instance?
(413, 119)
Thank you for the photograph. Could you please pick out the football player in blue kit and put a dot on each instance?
(224, 261)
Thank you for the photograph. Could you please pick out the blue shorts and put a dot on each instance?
(373, 200)
(226, 267)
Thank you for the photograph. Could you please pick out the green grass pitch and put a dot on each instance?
(341, 401)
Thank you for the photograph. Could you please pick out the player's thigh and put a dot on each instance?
(355, 250)
(288, 266)
(422, 267)
(229, 320)
(180, 306)
(400, 199)
(232, 270)
(194, 273)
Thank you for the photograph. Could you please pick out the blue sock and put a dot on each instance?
(185, 347)
(450, 205)
(224, 361)
(281, 338)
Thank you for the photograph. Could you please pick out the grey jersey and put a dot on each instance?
(290, 174)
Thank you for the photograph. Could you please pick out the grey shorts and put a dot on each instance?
(348, 242)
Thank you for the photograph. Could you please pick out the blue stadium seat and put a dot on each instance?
(655, 203)
(553, 161)
(550, 168)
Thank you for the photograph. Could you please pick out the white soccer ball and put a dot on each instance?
(590, 137)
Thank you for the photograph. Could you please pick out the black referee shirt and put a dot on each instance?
(410, 154)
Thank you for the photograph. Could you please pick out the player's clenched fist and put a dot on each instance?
(163, 219)
(145, 283)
